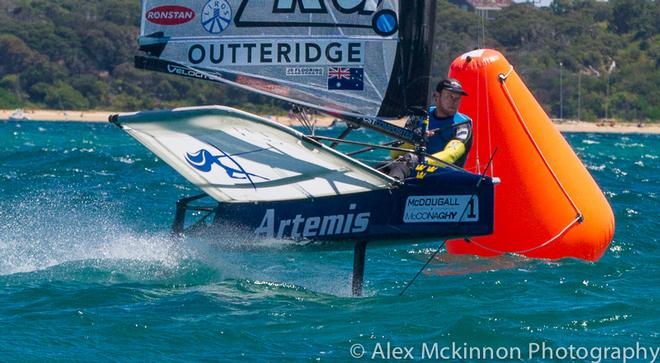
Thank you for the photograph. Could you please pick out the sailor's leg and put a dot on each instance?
(398, 170)
(358, 267)
(402, 167)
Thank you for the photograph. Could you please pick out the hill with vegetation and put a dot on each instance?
(594, 49)
(75, 54)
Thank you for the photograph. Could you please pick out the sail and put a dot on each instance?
(347, 57)
(234, 156)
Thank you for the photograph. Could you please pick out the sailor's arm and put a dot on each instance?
(395, 154)
(456, 147)
(453, 151)
(413, 124)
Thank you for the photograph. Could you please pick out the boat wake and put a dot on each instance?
(47, 231)
(49, 238)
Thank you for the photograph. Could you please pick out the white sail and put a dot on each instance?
(367, 57)
(234, 156)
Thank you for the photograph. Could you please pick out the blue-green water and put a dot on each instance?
(88, 271)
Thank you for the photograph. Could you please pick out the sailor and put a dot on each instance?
(449, 135)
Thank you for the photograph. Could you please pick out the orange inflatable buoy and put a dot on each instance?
(547, 204)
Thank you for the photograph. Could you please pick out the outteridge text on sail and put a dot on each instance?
(265, 52)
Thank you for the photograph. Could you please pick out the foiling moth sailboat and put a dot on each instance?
(360, 61)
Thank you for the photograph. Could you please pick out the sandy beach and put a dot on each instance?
(56, 115)
(563, 126)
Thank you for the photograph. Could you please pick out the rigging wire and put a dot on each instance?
(482, 44)
(483, 175)
(483, 29)
(302, 115)
(377, 146)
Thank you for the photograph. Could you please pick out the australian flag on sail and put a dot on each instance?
(347, 79)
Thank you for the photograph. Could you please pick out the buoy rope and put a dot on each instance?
(503, 79)
(561, 233)
(578, 219)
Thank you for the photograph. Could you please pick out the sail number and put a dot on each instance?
(441, 209)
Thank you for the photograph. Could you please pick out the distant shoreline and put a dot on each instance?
(325, 121)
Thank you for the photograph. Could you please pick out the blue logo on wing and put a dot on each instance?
(203, 161)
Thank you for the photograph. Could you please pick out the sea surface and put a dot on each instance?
(89, 272)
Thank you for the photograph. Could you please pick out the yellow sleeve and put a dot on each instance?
(452, 152)
(395, 153)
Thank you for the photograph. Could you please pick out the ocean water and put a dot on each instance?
(88, 272)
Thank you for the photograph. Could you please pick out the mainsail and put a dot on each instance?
(354, 58)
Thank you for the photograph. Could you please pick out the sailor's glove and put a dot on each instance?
(414, 124)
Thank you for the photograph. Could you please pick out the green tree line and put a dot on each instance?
(585, 58)
(78, 54)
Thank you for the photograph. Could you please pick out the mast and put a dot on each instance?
(408, 91)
